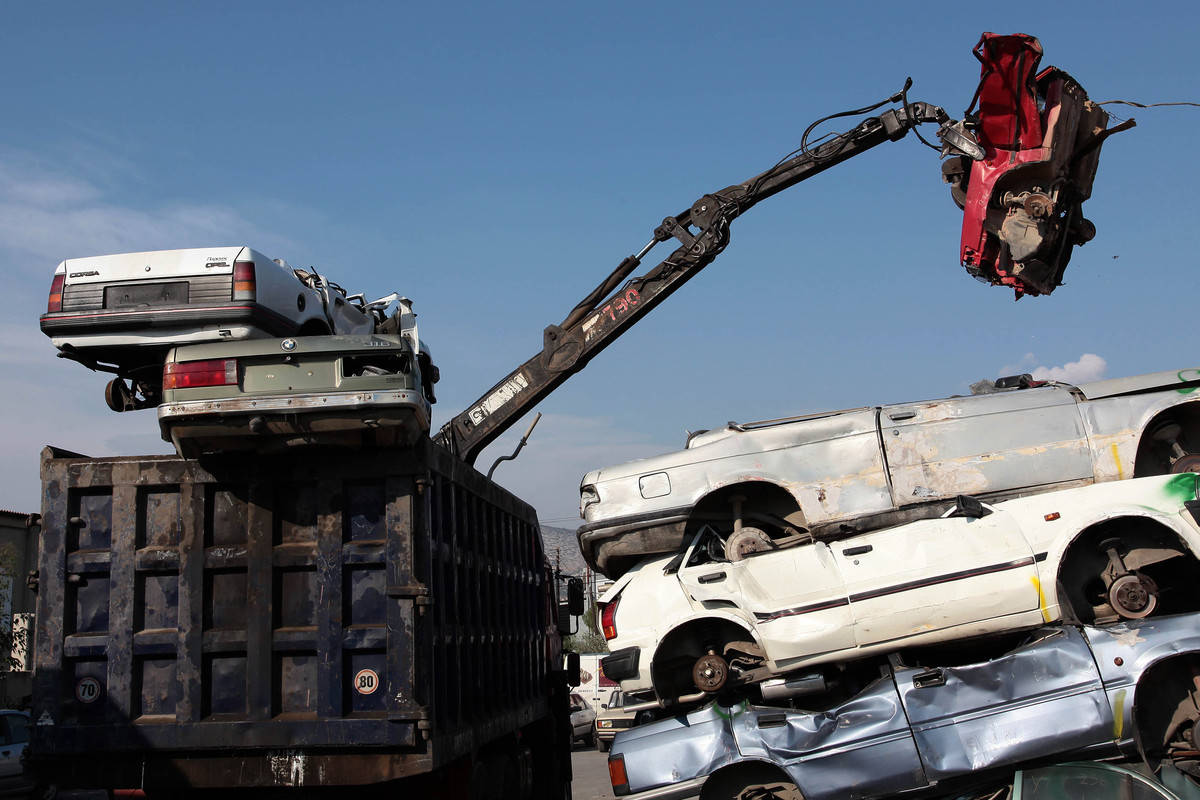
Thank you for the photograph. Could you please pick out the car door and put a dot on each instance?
(1041, 699)
(984, 443)
(793, 596)
(936, 574)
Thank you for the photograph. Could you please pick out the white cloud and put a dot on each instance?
(1089, 367)
(47, 216)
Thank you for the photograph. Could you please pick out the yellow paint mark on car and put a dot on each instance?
(1118, 713)
(1037, 585)
(1117, 461)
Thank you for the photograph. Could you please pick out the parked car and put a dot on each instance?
(924, 723)
(268, 395)
(714, 615)
(14, 737)
(121, 313)
(879, 466)
(622, 711)
(583, 720)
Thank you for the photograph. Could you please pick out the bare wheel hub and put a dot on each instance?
(710, 673)
(1133, 596)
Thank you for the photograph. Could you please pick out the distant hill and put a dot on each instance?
(563, 550)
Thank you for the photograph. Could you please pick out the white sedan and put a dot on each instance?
(750, 611)
(121, 313)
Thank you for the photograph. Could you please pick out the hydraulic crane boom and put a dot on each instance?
(702, 232)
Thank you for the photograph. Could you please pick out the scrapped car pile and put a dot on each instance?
(241, 352)
(920, 597)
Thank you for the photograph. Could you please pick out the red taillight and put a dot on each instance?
(617, 776)
(243, 280)
(56, 289)
(193, 374)
(608, 619)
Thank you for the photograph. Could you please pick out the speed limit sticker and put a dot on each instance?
(87, 690)
(366, 681)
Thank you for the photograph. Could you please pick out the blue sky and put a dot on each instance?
(494, 161)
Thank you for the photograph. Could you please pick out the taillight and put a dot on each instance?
(56, 289)
(608, 619)
(193, 374)
(617, 776)
(244, 287)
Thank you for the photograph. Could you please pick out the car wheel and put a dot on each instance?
(589, 738)
(710, 672)
(1167, 711)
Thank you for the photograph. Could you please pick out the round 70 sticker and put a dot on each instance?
(87, 690)
(366, 681)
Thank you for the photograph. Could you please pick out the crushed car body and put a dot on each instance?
(1041, 138)
(923, 723)
(270, 394)
(873, 467)
(711, 617)
(121, 313)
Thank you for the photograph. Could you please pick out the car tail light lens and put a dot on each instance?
(193, 374)
(244, 287)
(616, 774)
(56, 291)
(608, 619)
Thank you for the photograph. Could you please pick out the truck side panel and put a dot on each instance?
(281, 622)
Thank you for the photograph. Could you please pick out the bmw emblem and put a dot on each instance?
(288, 344)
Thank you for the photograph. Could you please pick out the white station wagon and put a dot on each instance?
(873, 467)
(714, 616)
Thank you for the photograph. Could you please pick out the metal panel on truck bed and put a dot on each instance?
(317, 620)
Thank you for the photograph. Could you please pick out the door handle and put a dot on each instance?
(857, 551)
(899, 415)
(929, 678)
(711, 577)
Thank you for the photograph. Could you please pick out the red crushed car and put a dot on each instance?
(1041, 137)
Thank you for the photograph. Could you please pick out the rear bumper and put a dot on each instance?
(273, 423)
(85, 330)
(613, 546)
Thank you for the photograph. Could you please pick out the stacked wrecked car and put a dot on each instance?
(239, 352)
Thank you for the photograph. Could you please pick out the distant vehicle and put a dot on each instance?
(583, 720)
(922, 724)
(867, 468)
(14, 737)
(714, 616)
(616, 716)
(121, 313)
(268, 395)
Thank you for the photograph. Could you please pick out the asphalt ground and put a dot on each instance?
(590, 774)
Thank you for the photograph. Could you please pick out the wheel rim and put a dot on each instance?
(1132, 597)
(710, 673)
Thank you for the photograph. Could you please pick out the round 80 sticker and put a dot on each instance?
(87, 690)
(366, 681)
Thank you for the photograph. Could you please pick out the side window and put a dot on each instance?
(16, 728)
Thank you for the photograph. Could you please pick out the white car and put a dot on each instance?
(583, 720)
(879, 466)
(716, 616)
(121, 313)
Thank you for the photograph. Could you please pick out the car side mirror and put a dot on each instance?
(971, 507)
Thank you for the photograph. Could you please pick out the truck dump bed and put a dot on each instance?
(304, 621)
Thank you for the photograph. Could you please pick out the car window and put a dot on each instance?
(16, 728)
(1071, 782)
